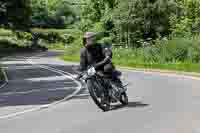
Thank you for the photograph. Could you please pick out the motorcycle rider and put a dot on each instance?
(100, 58)
(94, 54)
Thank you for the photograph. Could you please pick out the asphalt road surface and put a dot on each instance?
(158, 103)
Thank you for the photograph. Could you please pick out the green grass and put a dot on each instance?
(56, 46)
(5, 32)
(127, 58)
(71, 58)
(71, 54)
(124, 63)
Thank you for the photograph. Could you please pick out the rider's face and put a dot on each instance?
(89, 42)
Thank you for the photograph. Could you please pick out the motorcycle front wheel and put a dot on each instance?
(94, 87)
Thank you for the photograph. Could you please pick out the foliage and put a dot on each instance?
(186, 21)
(12, 15)
(51, 14)
(4, 32)
(138, 59)
(130, 21)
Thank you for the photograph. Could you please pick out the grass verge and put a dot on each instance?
(72, 54)
(56, 46)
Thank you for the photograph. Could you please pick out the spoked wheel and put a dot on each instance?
(99, 99)
(124, 98)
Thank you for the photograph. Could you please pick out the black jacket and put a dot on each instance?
(96, 56)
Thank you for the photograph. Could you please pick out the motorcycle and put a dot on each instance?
(104, 91)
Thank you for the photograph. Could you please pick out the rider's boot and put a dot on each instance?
(106, 98)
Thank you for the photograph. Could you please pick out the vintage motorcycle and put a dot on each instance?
(104, 91)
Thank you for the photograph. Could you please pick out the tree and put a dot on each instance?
(16, 13)
(186, 21)
(143, 19)
(97, 11)
(54, 14)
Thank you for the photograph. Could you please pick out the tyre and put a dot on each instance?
(124, 98)
(92, 86)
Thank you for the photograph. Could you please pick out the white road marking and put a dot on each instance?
(12, 62)
(74, 75)
(23, 112)
(20, 67)
(3, 85)
(52, 78)
(33, 91)
(78, 88)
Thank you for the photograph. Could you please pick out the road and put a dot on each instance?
(158, 103)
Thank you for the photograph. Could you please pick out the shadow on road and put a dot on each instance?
(136, 104)
(81, 97)
(130, 105)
